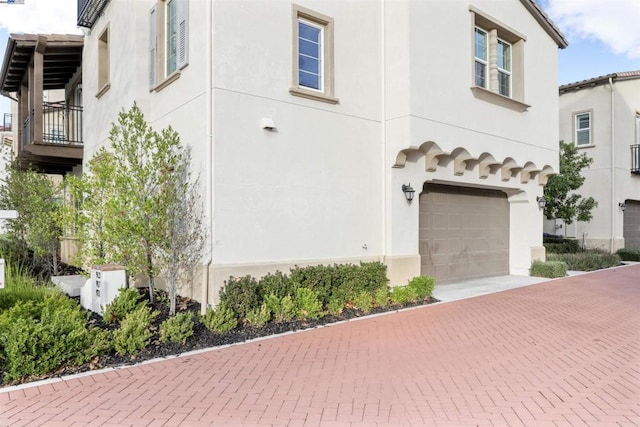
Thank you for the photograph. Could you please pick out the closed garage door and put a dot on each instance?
(631, 231)
(464, 233)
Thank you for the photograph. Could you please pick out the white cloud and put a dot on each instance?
(613, 22)
(40, 16)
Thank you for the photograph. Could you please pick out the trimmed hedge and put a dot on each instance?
(549, 269)
(557, 245)
(586, 261)
(629, 254)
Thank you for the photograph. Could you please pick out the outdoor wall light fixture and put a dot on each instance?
(622, 206)
(267, 123)
(541, 202)
(408, 192)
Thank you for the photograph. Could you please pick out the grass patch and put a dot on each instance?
(549, 269)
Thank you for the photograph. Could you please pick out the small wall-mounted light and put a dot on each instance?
(408, 192)
(267, 123)
(541, 202)
(622, 206)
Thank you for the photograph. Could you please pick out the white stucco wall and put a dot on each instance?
(321, 188)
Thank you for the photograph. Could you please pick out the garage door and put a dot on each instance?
(631, 230)
(464, 233)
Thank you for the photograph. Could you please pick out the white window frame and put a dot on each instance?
(320, 58)
(483, 62)
(326, 91)
(587, 130)
(160, 76)
(504, 71)
(170, 37)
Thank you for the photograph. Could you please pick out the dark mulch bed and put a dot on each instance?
(202, 337)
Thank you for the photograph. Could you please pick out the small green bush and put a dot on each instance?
(38, 337)
(283, 309)
(258, 317)
(559, 245)
(278, 284)
(549, 269)
(134, 333)
(381, 296)
(403, 295)
(423, 286)
(177, 328)
(127, 301)
(629, 254)
(307, 304)
(335, 306)
(20, 287)
(363, 301)
(240, 295)
(219, 320)
(586, 261)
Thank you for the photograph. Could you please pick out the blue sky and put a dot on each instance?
(604, 35)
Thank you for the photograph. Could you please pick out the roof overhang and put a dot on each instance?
(545, 22)
(600, 80)
(62, 57)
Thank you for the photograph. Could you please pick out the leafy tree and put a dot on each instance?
(562, 201)
(38, 202)
(183, 244)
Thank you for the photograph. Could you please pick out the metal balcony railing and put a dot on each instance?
(89, 11)
(635, 159)
(61, 124)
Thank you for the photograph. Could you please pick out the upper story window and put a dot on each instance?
(312, 55)
(583, 129)
(103, 63)
(481, 56)
(498, 62)
(504, 67)
(168, 41)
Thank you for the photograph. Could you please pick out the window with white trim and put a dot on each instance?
(103, 63)
(481, 45)
(583, 129)
(168, 41)
(504, 67)
(312, 55)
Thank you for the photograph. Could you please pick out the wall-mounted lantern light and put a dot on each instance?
(622, 206)
(408, 192)
(541, 202)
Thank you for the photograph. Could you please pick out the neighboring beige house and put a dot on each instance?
(309, 120)
(602, 117)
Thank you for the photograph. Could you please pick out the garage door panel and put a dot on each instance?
(631, 227)
(464, 233)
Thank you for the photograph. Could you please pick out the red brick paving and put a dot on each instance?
(564, 352)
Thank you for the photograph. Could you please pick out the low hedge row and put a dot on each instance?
(560, 245)
(586, 261)
(629, 254)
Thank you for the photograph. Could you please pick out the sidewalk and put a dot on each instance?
(562, 352)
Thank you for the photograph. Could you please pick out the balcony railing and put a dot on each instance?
(89, 11)
(61, 124)
(635, 159)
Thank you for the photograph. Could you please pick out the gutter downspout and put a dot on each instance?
(206, 263)
(613, 166)
(383, 131)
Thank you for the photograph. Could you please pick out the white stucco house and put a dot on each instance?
(602, 117)
(309, 119)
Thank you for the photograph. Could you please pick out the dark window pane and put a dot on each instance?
(307, 64)
(308, 32)
(309, 48)
(308, 80)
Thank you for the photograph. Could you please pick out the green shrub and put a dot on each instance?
(240, 295)
(549, 269)
(127, 301)
(559, 245)
(586, 261)
(403, 294)
(307, 304)
(278, 284)
(258, 317)
(629, 254)
(283, 309)
(381, 297)
(134, 333)
(423, 286)
(38, 337)
(20, 287)
(318, 278)
(219, 320)
(177, 328)
(335, 306)
(363, 301)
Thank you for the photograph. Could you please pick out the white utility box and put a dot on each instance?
(103, 286)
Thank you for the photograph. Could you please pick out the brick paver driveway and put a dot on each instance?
(564, 352)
